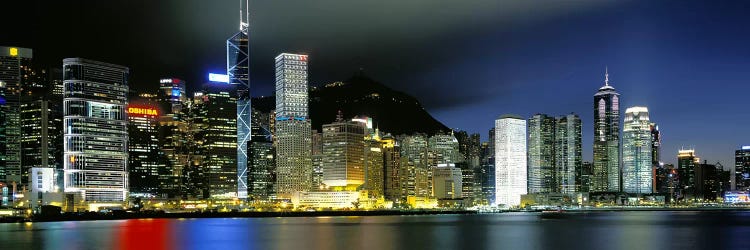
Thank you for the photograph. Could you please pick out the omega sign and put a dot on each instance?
(142, 111)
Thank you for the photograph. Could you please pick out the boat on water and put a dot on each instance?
(553, 214)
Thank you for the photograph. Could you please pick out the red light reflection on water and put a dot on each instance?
(143, 234)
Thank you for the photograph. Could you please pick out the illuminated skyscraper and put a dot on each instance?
(219, 141)
(742, 168)
(173, 136)
(145, 159)
(655, 144)
(391, 168)
(568, 155)
(343, 154)
(238, 69)
(541, 155)
(510, 160)
(292, 126)
(637, 171)
(374, 167)
(13, 64)
(262, 174)
(606, 175)
(95, 128)
(686, 164)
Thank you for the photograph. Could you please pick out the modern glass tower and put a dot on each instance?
(541, 155)
(95, 127)
(510, 160)
(568, 155)
(238, 69)
(637, 174)
(742, 168)
(606, 176)
(293, 129)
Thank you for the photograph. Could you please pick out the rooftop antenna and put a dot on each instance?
(606, 76)
(244, 16)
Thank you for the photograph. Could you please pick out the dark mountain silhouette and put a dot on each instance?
(392, 111)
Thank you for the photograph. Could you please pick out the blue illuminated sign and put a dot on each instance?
(176, 93)
(218, 78)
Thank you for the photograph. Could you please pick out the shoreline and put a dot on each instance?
(93, 216)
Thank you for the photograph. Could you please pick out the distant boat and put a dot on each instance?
(553, 214)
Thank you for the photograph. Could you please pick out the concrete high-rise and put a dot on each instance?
(292, 126)
(238, 70)
(541, 154)
(637, 169)
(95, 128)
(568, 155)
(510, 160)
(606, 172)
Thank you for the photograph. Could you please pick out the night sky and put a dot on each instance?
(467, 61)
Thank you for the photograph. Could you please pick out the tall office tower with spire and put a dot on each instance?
(95, 128)
(541, 155)
(238, 69)
(568, 155)
(637, 174)
(606, 176)
(293, 128)
(510, 160)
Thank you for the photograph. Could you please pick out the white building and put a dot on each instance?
(510, 160)
(636, 152)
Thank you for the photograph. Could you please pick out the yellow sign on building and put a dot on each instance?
(13, 51)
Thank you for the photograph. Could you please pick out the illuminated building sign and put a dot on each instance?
(218, 78)
(745, 147)
(176, 93)
(142, 111)
(736, 197)
(13, 51)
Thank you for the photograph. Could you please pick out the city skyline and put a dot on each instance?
(637, 74)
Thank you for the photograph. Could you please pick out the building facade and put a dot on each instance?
(95, 128)
(510, 160)
(637, 169)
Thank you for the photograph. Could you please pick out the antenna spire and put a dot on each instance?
(606, 76)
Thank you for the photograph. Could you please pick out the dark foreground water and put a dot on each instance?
(602, 230)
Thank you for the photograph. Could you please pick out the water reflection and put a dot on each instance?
(619, 230)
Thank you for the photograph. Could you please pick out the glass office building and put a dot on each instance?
(637, 172)
(95, 129)
(510, 160)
